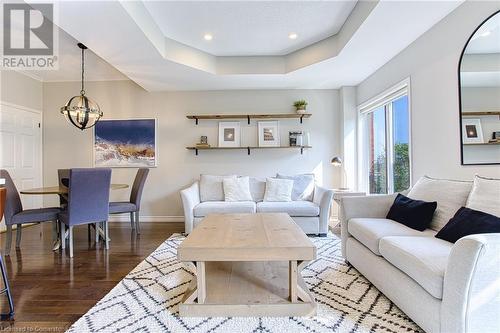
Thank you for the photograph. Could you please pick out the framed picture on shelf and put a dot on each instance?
(472, 131)
(229, 134)
(129, 143)
(269, 134)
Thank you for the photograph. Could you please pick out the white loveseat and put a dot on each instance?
(443, 287)
(311, 215)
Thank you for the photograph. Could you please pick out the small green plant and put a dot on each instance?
(300, 104)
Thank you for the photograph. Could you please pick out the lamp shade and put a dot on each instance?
(336, 161)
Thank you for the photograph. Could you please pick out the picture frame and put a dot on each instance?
(229, 134)
(125, 143)
(472, 132)
(269, 133)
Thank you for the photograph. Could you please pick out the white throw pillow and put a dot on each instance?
(211, 187)
(303, 186)
(485, 195)
(449, 194)
(278, 190)
(237, 189)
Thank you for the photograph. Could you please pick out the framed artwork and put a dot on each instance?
(269, 134)
(229, 134)
(472, 131)
(129, 143)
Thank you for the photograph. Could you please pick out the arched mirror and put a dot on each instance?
(479, 92)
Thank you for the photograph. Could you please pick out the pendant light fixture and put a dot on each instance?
(80, 110)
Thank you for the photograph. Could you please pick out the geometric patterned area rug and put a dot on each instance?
(147, 300)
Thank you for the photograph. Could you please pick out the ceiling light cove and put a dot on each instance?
(292, 35)
(208, 37)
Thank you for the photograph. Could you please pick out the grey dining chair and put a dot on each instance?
(88, 202)
(15, 214)
(134, 205)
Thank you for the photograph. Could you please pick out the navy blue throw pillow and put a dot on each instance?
(469, 222)
(416, 214)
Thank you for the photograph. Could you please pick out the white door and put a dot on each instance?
(21, 149)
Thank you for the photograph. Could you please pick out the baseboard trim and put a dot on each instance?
(147, 219)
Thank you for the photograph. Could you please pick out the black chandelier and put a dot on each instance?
(80, 110)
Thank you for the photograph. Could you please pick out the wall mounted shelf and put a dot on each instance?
(482, 144)
(248, 117)
(481, 113)
(248, 148)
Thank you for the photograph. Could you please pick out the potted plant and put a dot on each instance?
(300, 106)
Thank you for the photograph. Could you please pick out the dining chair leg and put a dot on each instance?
(19, 231)
(7, 289)
(8, 240)
(54, 230)
(96, 229)
(132, 222)
(137, 226)
(70, 241)
(106, 235)
(62, 235)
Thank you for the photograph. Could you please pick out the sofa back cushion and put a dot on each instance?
(303, 186)
(257, 188)
(449, 194)
(485, 195)
(211, 188)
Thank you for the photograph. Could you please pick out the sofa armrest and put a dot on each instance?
(471, 290)
(190, 198)
(323, 198)
(371, 206)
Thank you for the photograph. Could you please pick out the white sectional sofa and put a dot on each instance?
(311, 215)
(444, 287)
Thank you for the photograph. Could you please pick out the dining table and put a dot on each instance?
(63, 190)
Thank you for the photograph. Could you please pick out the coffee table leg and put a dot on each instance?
(293, 281)
(201, 281)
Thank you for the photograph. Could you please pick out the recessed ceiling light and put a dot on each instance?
(292, 35)
(208, 37)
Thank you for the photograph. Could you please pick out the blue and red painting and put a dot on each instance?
(125, 143)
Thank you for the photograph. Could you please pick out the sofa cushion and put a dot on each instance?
(223, 207)
(303, 186)
(369, 231)
(485, 195)
(278, 190)
(424, 259)
(211, 187)
(449, 194)
(257, 188)
(292, 208)
(416, 214)
(237, 189)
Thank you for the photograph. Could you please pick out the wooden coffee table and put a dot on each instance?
(247, 265)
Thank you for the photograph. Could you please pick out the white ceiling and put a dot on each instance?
(128, 39)
(249, 28)
(487, 38)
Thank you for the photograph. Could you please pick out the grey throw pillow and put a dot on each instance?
(211, 188)
(303, 186)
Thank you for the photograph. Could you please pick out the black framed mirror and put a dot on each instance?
(479, 95)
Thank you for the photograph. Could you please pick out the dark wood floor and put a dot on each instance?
(51, 291)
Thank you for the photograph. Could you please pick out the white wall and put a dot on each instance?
(19, 89)
(66, 146)
(431, 63)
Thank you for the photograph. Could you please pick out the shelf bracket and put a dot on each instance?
(196, 151)
(301, 148)
(301, 118)
(248, 150)
(248, 120)
(196, 123)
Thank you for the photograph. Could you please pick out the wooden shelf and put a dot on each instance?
(247, 148)
(483, 144)
(248, 117)
(481, 113)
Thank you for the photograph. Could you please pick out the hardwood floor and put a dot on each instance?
(51, 291)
